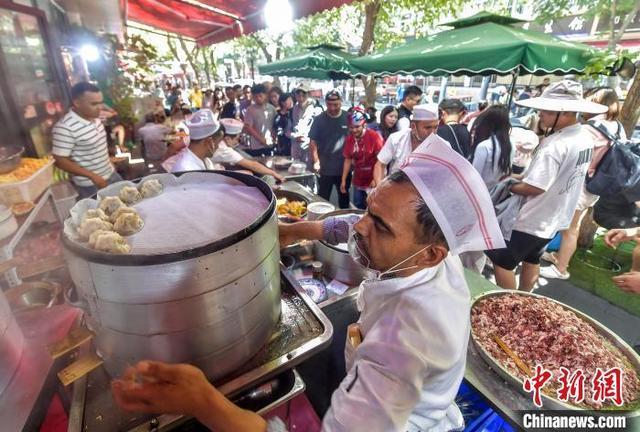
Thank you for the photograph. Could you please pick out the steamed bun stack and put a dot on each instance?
(105, 227)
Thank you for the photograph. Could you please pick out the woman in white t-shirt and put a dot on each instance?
(605, 96)
(492, 150)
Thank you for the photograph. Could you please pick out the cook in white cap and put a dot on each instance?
(405, 358)
(205, 134)
(225, 154)
(399, 145)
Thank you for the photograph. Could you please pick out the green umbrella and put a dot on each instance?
(483, 44)
(322, 62)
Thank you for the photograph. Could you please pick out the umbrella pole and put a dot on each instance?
(353, 92)
(512, 90)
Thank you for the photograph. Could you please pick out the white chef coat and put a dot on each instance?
(186, 160)
(396, 150)
(405, 374)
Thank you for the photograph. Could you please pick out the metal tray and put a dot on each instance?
(549, 402)
(302, 331)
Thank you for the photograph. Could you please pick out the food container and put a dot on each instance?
(298, 168)
(290, 196)
(336, 259)
(213, 305)
(8, 222)
(10, 157)
(317, 209)
(30, 189)
(64, 198)
(282, 162)
(549, 402)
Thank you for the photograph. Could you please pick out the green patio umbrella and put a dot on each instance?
(322, 62)
(483, 44)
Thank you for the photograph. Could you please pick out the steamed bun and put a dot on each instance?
(130, 195)
(88, 226)
(110, 204)
(128, 224)
(150, 188)
(111, 242)
(94, 237)
(95, 213)
(122, 210)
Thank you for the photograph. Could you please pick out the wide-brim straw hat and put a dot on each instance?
(563, 96)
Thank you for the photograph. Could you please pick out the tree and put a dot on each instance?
(611, 10)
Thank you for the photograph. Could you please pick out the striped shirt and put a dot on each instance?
(85, 143)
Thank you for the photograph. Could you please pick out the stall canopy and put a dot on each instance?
(483, 44)
(212, 21)
(322, 62)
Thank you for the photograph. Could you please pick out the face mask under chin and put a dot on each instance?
(357, 253)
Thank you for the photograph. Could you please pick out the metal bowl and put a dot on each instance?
(10, 157)
(291, 196)
(31, 295)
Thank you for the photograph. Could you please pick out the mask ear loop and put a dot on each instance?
(395, 270)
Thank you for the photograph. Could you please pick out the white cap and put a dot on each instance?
(232, 126)
(202, 124)
(425, 112)
(456, 195)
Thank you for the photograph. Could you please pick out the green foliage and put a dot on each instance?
(603, 61)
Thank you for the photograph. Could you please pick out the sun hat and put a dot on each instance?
(563, 96)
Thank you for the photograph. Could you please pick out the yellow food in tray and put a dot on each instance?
(27, 168)
(291, 208)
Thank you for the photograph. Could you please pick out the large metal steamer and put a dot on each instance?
(213, 306)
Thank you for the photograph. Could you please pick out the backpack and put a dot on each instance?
(619, 170)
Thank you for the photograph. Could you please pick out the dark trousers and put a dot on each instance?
(326, 184)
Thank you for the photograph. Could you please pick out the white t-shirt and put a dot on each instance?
(559, 168)
(225, 154)
(396, 150)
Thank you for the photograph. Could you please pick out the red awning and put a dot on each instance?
(212, 21)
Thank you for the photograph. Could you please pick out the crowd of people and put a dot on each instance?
(535, 175)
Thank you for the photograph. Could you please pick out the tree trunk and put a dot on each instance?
(631, 108)
(371, 10)
(192, 56)
(207, 72)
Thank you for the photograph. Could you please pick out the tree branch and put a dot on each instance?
(625, 24)
(263, 48)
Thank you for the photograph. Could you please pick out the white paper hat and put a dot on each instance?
(565, 95)
(202, 124)
(232, 126)
(425, 112)
(456, 195)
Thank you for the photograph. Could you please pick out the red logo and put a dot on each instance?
(572, 385)
(607, 385)
(536, 382)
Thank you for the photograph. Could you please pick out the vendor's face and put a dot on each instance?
(89, 105)
(232, 140)
(389, 229)
(423, 128)
(357, 130)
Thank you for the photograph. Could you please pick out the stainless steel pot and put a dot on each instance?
(338, 264)
(11, 343)
(214, 306)
(10, 157)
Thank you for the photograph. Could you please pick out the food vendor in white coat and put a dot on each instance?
(205, 133)
(406, 355)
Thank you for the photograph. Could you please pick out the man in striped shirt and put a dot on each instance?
(80, 142)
